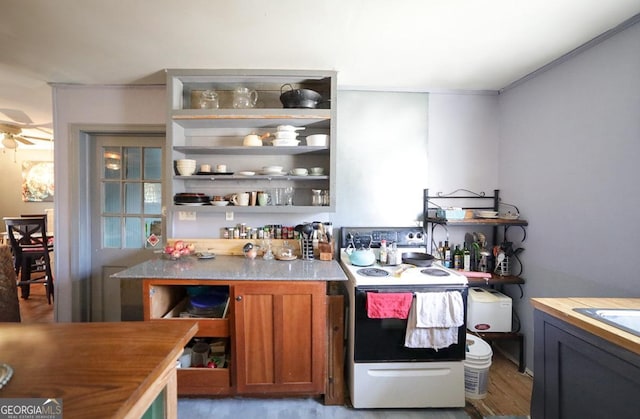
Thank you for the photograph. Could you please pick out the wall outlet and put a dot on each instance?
(228, 216)
(187, 215)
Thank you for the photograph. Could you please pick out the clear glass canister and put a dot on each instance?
(326, 201)
(316, 197)
(209, 100)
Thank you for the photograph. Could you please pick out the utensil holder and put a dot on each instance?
(306, 249)
(504, 268)
(326, 250)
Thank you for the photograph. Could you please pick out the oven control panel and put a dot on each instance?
(373, 236)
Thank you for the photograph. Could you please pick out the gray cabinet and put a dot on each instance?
(580, 375)
(215, 136)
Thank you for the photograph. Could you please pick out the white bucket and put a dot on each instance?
(476, 367)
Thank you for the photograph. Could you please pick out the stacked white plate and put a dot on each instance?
(286, 136)
(487, 214)
(272, 170)
(285, 143)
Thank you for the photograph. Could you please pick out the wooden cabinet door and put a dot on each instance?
(280, 337)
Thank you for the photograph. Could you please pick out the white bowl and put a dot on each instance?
(246, 173)
(185, 161)
(186, 171)
(285, 143)
(219, 203)
(285, 135)
(318, 140)
(299, 171)
(316, 171)
(272, 169)
(289, 128)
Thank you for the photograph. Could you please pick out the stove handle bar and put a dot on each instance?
(413, 289)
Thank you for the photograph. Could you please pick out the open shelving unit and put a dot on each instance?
(473, 201)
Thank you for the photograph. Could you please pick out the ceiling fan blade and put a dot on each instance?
(31, 137)
(17, 116)
(22, 140)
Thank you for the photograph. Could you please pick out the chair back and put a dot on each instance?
(27, 234)
(36, 216)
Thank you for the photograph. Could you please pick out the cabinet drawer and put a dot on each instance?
(203, 381)
(167, 302)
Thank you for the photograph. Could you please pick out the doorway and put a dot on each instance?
(86, 254)
(125, 196)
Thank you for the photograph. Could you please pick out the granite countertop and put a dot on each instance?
(235, 268)
(562, 309)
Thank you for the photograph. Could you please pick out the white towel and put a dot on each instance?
(434, 320)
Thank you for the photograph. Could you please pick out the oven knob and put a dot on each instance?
(410, 236)
(419, 236)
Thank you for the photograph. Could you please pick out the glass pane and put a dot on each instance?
(133, 233)
(153, 230)
(112, 201)
(112, 162)
(152, 163)
(111, 232)
(152, 198)
(133, 159)
(133, 198)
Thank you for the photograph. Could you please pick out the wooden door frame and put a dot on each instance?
(70, 254)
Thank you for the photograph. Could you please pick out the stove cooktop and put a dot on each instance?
(404, 274)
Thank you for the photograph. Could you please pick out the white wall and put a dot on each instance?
(569, 151)
(463, 150)
(88, 106)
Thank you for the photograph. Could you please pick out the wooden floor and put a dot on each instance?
(35, 309)
(508, 393)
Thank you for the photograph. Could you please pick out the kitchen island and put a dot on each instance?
(97, 370)
(276, 322)
(584, 367)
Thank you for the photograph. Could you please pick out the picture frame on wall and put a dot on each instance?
(37, 181)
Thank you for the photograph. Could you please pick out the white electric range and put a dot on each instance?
(382, 372)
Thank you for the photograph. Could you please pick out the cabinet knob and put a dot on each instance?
(239, 298)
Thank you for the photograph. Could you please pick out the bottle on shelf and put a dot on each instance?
(458, 258)
(383, 252)
(448, 262)
(466, 260)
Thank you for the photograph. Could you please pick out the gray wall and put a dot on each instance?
(569, 151)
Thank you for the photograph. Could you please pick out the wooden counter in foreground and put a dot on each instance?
(97, 370)
(562, 308)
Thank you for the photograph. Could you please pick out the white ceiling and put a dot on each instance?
(418, 45)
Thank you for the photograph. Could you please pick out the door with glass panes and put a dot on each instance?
(127, 222)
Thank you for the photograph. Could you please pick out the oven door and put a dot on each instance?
(382, 340)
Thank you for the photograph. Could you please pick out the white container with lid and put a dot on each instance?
(488, 310)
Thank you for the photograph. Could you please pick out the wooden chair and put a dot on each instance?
(9, 304)
(44, 216)
(29, 243)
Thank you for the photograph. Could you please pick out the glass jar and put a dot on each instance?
(326, 201)
(209, 100)
(316, 197)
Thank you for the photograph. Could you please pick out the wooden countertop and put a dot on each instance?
(562, 308)
(99, 370)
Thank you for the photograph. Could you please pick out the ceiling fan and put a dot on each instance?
(12, 132)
